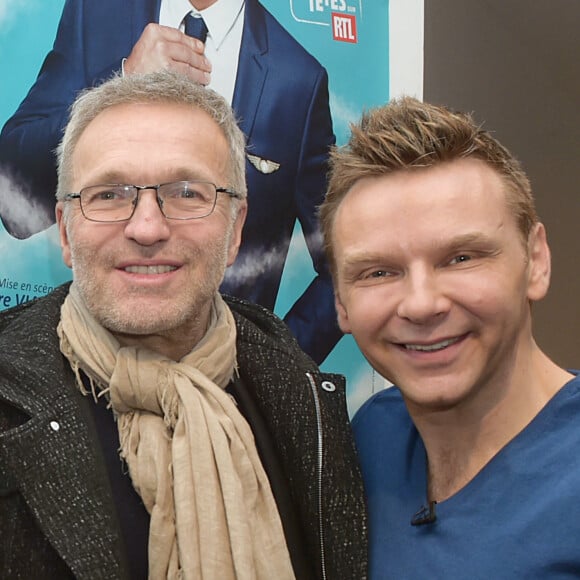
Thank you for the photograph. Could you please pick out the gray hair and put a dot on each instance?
(158, 87)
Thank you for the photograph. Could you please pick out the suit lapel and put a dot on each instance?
(252, 66)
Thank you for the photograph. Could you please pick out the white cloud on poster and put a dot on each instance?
(10, 10)
(44, 245)
(255, 264)
(343, 114)
(5, 11)
(17, 207)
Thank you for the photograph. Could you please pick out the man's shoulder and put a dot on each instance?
(30, 360)
(265, 339)
(24, 317)
(246, 311)
(387, 401)
(256, 324)
(28, 337)
(383, 415)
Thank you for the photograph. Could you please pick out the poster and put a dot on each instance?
(372, 50)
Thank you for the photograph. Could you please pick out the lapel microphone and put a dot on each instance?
(426, 515)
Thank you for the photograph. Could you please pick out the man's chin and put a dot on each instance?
(140, 327)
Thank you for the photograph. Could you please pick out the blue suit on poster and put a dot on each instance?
(281, 100)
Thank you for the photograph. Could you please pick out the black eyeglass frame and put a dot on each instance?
(138, 188)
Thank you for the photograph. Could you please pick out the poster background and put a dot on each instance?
(32, 266)
(354, 84)
(353, 39)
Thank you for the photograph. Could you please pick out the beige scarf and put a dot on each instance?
(191, 455)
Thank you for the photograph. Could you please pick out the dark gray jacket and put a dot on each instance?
(57, 518)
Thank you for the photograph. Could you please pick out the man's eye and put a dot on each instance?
(108, 195)
(374, 274)
(190, 193)
(459, 259)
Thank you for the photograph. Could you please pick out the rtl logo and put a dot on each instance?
(344, 27)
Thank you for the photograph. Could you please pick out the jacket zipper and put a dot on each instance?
(319, 471)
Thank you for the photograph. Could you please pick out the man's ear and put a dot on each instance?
(64, 240)
(236, 238)
(341, 315)
(539, 263)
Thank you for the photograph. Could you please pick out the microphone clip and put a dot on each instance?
(426, 515)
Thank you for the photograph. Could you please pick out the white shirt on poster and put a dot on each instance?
(225, 24)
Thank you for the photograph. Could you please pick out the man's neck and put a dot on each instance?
(173, 344)
(202, 4)
(460, 441)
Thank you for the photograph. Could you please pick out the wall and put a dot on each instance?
(514, 63)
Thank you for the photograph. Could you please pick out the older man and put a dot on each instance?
(237, 460)
(280, 95)
(438, 255)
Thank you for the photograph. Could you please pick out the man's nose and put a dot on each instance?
(147, 225)
(423, 297)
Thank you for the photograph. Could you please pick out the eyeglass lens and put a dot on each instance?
(178, 200)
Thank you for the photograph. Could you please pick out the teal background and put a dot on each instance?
(27, 30)
(358, 79)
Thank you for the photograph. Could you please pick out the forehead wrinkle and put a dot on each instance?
(129, 155)
(114, 176)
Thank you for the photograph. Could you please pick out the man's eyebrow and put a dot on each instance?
(363, 257)
(177, 174)
(468, 239)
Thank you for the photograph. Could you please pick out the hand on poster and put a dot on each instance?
(163, 47)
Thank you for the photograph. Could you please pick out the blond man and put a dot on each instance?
(471, 461)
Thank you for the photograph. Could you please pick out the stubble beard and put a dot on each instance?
(127, 314)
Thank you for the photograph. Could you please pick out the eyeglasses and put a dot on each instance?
(180, 200)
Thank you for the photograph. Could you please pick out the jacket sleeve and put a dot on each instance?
(29, 138)
(312, 318)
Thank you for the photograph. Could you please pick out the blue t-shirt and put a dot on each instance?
(518, 518)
